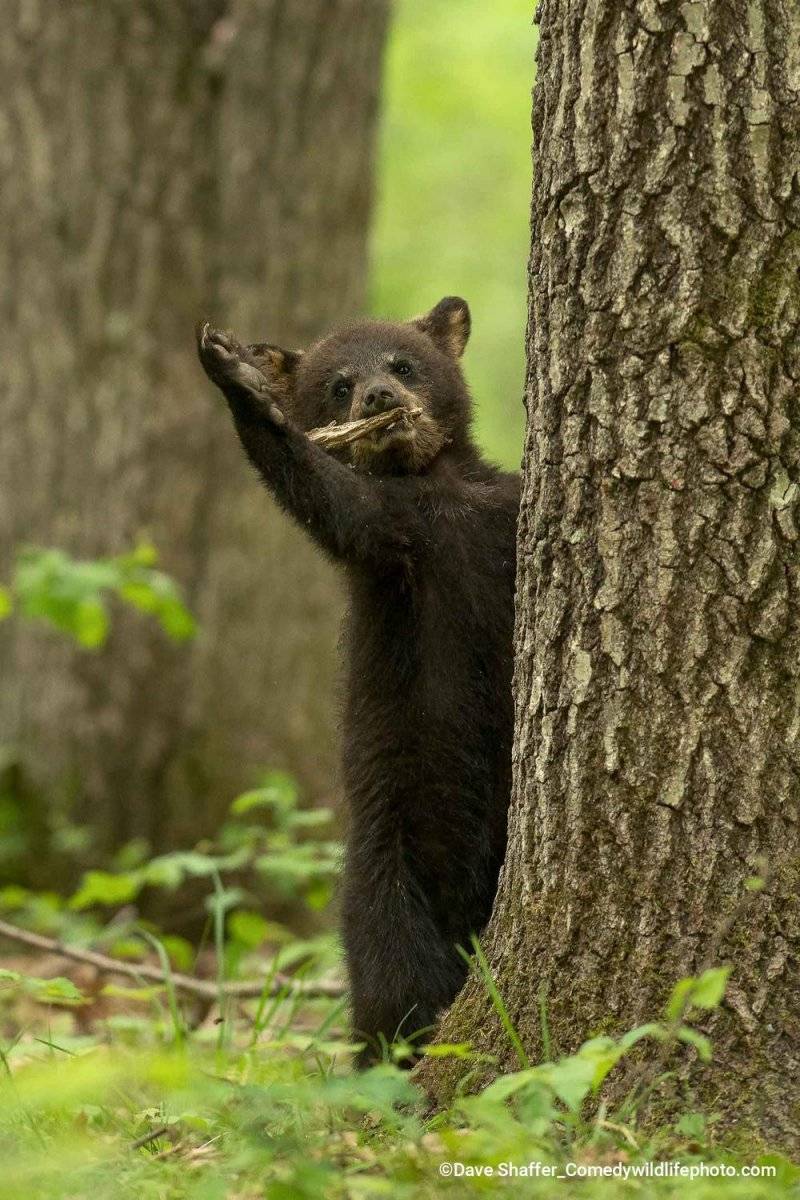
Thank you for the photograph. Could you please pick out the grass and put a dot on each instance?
(274, 1111)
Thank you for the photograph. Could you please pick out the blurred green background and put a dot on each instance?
(453, 189)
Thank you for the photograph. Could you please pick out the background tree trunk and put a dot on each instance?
(657, 682)
(162, 162)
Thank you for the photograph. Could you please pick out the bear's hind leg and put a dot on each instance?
(403, 970)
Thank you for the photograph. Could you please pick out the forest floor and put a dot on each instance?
(112, 1090)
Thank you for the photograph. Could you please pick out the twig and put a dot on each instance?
(152, 1136)
(208, 990)
(333, 437)
(623, 1129)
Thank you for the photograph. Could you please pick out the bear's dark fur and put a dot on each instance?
(426, 531)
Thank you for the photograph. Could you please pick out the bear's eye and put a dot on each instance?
(341, 389)
(402, 368)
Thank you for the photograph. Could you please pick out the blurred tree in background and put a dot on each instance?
(161, 162)
(170, 161)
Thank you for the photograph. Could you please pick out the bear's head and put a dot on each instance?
(373, 366)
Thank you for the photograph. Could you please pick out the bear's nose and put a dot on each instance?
(377, 399)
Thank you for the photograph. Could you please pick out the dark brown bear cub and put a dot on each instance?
(425, 530)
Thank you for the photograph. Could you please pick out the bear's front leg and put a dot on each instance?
(347, 512)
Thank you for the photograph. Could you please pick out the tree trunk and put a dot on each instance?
(657, 683)
(162, 162)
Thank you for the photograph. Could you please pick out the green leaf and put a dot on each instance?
(69, 594)
(653, 1030)
(50, 587)
(131, 855)
(249, 928)
(13, 896)
(679, 998)
(181, 952)
(6, 605)
(296, 865)
(177, 622)
(248, 801)
(90, 623)
(693, 1125)
(710, 987)
(300, 949)
(155, 593)
(278, 792)
(59, 990)
(225, 899)
(310, 818)
(121, 992)
(516, 1081)
(604, 1053)
(101, 887)
(319, 895)
(572, 1079)
(698, 1040)
(448, 1050)
(140, 595)
(144, 554)
(170, 870)
(537, 1111)
(127, 947)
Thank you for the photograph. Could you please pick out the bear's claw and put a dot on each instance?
(221, 356)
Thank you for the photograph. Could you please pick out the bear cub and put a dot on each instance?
(425, 531)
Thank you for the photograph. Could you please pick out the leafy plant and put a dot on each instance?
(282, 1116)
(261, 1100)
(270, 847)
(55, 990)
(72, 595)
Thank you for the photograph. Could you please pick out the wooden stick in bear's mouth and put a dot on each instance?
(333, 436)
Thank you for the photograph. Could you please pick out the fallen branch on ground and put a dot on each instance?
(333, 437)
(207, 989)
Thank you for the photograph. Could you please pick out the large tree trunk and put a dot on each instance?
(657, 683)
(162, 162)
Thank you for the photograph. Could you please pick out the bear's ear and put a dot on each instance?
(448, 324)
(278, 365)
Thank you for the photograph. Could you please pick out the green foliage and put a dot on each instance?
(47, 913)
(280, 1115)
(480, 965)
(703, 991)
(49, 991)
(278, 792)
(277, 851)
(257, 1099)
(74, 597)
(71, 595)
(454, 187)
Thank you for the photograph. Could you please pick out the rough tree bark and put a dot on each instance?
(161, 162)
(657, 683)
